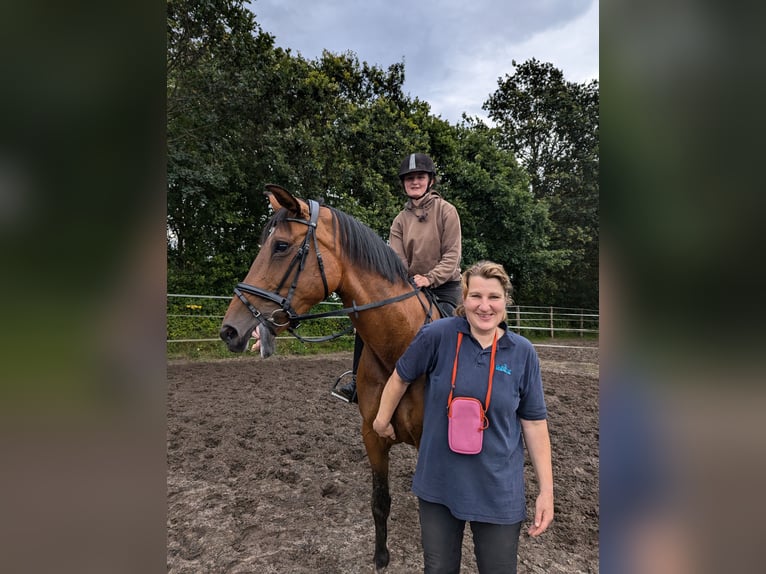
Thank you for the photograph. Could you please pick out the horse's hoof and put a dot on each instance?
(381, 562)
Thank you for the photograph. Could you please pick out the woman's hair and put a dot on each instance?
(487, 270)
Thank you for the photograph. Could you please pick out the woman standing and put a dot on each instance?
(474, 356)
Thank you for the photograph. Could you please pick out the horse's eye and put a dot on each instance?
(281, 246)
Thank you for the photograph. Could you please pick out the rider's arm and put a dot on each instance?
(450, 248)
(392, 394)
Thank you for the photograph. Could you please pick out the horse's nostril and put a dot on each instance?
(228, 333)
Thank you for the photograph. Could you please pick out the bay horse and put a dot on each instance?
(308, 251)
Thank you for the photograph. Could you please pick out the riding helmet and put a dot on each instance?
(417, 162)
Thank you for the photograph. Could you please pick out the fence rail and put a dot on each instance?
(197, 318)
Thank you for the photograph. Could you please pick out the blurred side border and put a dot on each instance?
(82, 235)
(682, 440)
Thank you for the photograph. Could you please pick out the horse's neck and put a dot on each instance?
(364, 288)
(390, 326)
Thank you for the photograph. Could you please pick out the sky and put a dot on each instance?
(454, 51)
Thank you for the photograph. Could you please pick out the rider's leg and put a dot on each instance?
(349, 389)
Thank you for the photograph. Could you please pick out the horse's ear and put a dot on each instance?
(280, 197)
(274, 188)
(272, 201)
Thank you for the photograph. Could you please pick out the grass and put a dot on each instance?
(209, 350)
(199, 318)
(206, 350)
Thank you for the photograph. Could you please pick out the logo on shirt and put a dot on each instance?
(503, 368)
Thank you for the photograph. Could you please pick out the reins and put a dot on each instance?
(285, 303)
(296, 318)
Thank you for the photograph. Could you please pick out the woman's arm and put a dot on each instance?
(538, 443)
(392, 394)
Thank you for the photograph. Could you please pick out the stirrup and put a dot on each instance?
(335, 393)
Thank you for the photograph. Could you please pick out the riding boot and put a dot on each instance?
(349, 390)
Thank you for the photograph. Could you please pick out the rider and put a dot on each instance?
(426, 236)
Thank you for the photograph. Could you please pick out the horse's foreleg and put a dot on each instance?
(381, 507)
(378, 454)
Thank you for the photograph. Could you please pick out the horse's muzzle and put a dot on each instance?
(234, 341)
(238, 343)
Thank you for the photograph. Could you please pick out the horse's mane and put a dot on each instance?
(366, 249)
(362, 245)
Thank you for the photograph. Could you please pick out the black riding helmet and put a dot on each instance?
(417, 162)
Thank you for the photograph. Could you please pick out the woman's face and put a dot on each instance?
(484, 304)
(416, 183)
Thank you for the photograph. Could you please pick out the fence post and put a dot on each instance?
(553, 336)
(518, 319)
(581, 324)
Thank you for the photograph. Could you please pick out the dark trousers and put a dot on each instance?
(495, 545)
(451, 292)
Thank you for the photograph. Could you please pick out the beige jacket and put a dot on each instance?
(427, 239)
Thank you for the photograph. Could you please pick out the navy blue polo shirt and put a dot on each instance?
(489, 486)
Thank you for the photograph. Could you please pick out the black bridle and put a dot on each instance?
(285, 303)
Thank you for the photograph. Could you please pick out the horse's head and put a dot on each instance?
(296, 267)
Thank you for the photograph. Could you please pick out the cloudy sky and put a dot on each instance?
(454, 51)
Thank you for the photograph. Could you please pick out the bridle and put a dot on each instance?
(297, 265)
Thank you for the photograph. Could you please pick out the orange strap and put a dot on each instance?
(491, 369)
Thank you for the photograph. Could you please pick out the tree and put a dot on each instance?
(500, 218)
(212, 47)
(551, 125)
(243, 113)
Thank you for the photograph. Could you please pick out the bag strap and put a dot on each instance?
(491, 369)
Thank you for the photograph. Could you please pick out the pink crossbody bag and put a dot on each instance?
(467, 416)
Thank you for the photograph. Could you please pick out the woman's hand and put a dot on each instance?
(384, 429)
(543, 514)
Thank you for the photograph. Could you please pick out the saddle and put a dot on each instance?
(446, 308)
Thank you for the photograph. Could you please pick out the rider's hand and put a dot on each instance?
(257, 345)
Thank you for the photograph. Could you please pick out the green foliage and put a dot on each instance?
(552, 128)
(193, 324)
(243, 113)
(500, 218)
(191, 320)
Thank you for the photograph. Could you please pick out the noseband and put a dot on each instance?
(298, 263)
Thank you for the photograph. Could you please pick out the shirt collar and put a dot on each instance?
(504, 341)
